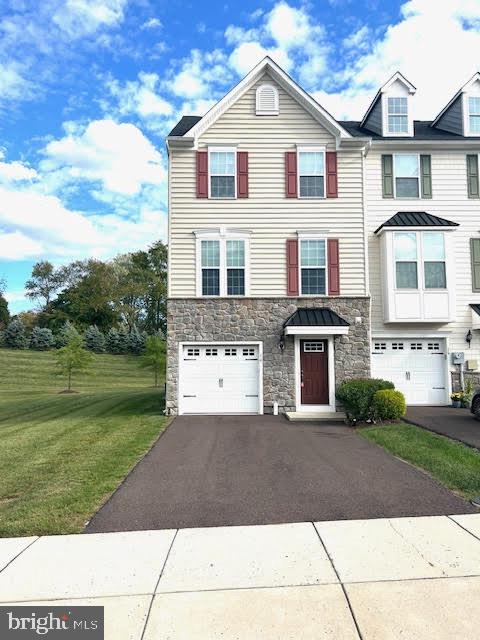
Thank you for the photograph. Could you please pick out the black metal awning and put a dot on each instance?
(315, 317)
(416, 219)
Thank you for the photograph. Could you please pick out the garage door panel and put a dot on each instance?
(219, 379)
(415, 366)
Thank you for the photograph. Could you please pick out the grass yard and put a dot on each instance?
(452, 463)
(62, 455)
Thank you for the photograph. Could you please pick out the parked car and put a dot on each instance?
(475, 404)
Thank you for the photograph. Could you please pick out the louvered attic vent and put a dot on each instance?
(267, 100)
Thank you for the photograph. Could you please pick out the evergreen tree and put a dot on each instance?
(123, 340)
(41, 339)
(94, 339)
(136, 341)
(112, 341)
(16, 335)
(4, 313)
(62, 336)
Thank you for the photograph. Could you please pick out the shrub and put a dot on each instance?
(41, 339)
(357, 397)
(389, 404)
(94, 339)
(15, 335)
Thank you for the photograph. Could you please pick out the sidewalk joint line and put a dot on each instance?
(349, 604)
(19, 554)
(147, 618)
(462, 527)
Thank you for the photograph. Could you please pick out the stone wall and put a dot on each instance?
(261, 319)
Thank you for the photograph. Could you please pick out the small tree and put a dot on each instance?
(123, 340)
(112, 340)
(94, 339)
(154, 356)
(136, 341)
(63, 335)
(41, 339)
(15, 335)
(72, 358)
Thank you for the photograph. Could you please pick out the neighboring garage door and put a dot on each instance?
(219, 379)
(415, 366)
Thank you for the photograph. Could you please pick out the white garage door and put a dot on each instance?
(219, 379)
(415, 366)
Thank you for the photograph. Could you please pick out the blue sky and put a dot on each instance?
(90, 88)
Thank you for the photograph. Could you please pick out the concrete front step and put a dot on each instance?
(314, 416)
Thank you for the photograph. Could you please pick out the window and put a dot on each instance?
(313, 267)
(210, 267)
(474, 114)
(397, 346)
(380, 346)
(230, 352)
(397, 114)
(222, 167)
(406, 273)
(434, 346)
(235, 268)
(319, 347)
(434, 260)
(416, 346)
(267, 100)
(248, 351)
(211, 352)
(193, 352)
(311, 174)
(407, 172)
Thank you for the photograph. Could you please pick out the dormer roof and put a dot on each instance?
(396, 76)
(462, 90)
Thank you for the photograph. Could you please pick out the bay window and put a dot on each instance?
(474, 114)
(222, 172)
(311, 173)
(420, 254)
(222, 263)
(313, 267)
(434, 260)
(407, 175)
(397, 115)
(406, 270)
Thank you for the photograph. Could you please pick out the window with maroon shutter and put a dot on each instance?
(292, 267)
(291, 174)
(332, 181)
(333, 268)
(202, 174)
(242, 174)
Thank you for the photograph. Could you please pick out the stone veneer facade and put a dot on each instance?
(261, 319)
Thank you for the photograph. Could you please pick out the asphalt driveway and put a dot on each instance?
(242, 470)
(458, 424)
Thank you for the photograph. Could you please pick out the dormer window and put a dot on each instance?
(474, 114)
(267, 100)
(397, 115)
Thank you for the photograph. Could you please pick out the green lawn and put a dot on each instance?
(62, 455)
(452, 463)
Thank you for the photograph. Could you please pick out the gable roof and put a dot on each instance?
(416, 219)
(316, 317)
(476, 76)
(285, 81)
(396, 76)
(184, 125)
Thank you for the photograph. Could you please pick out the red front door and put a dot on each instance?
(314, 371)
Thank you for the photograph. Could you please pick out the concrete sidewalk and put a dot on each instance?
(387, 578)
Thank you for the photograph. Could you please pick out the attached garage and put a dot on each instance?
(220, 378)
(416, 366)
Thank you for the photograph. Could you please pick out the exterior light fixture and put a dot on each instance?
(468, 338)
(281, 342)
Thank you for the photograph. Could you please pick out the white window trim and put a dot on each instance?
(308, 408)
(466, 115)
(396, 134)
(221, 235)
(262, 112)
(419, 197)
(421, 262)
(222, 149)
(312, 149)
(312, 236)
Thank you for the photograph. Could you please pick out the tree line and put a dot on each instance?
(113, 304)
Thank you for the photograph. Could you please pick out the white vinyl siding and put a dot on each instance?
(267, 213)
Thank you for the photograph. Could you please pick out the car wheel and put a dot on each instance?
(476, 408)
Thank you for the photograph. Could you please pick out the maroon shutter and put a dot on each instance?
(292, 267)
(333, 268)
(291, 174)
(242, 174)
(202, 174)
(332, 182)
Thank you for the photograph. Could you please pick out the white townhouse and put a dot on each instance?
(304, 251)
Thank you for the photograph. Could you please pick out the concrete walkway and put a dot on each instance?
(413, 578)
(458, 424)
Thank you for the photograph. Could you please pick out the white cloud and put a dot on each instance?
(13, 84)
(117, 155)
(15, 171)
(152, 23)
(15, 296)
(78, 18)
(18, 246)
(140, 97)
(199, 74)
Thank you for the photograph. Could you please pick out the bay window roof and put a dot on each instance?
(416, 219)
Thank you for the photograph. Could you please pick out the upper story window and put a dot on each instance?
(222, 266)
(420, 260)
(222, 170)
(311, 173)
(474, 114)
(267, 103)
(313, 272)
(397, 115)
(407, 175)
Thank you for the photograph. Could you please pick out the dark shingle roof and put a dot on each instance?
(184, 125)
(422, 130)
(476, 308)
(416, 219)
(319, 317)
